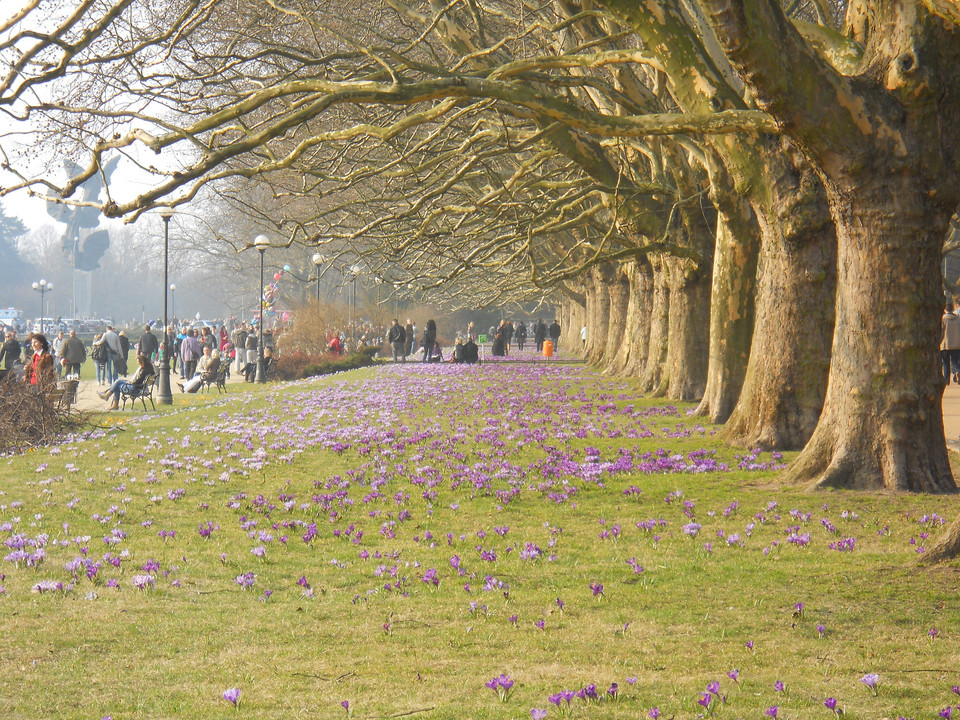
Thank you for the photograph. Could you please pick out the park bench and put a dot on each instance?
(142, 392)
(219, 380)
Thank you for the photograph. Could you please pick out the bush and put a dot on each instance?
(297, 364)
(28, 419)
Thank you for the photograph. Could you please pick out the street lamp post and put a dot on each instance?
(173, 300)
(318, 261)
(42, 288)
(261, 242)
(354, 271)
(164, 396)
(76, 249)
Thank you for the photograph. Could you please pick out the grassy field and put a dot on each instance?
(452, 542)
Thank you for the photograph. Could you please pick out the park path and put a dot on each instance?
(89, 401)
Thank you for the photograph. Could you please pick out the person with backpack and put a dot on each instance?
(100, 356)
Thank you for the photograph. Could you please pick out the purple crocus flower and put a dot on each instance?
(705, 700)
(830, 704)
(772, 711)
(713, 688)
(946, 712)
(778, 686)
(232, 696)
(821, 630)
(871, 680)
(538, 713)
(734, 675)
(654, 713)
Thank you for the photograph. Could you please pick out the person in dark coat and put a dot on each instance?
(397, 337)
(74, 354)
(429, 340)
(10, 351)
(521, 335)
(539, 334)
(471, 353)
(554, 333)
(149, 345)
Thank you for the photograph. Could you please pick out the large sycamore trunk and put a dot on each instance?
(731, 305)
(688, 317)
(632, 354)
(882, 426)
(650, 380)
(598, 282)
(618, 291)
(786, 376)
(572, 315)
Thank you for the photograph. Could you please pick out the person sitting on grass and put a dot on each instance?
(207, 370)
(144, 370)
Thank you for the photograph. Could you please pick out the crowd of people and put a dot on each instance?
(200, 354)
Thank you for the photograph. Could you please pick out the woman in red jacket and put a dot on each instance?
(39, 372)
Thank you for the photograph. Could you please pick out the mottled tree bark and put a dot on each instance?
(618, 291)
(650, 380)
(731, 300)
(786, 375)
(887, 145)
(632, 353)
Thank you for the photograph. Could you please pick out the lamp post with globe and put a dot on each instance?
(42, 287)
(261, 243)
(318, 260)
(164, 396)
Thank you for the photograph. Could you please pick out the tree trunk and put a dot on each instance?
(619, 293)
(571, 318)
(657, 343)
(632, 353)
(599, 281)
(786, 375)
(685, 370)
(731, 302)
(882, 423)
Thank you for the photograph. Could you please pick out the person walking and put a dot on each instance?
(101, 356)
(74, 354)
(240, 343)
(124, 352)
(112, 341)
(429, 340)
(950, 344)
(190, 353)
(521, 334)
(554, 332)
(397, 337)
(56, 349)
(148, 345)
(583, 337)
(539, 335)
(411, 333)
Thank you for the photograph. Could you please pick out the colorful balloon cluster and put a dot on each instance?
(271, 293)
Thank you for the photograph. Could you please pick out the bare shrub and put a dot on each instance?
(28, 419)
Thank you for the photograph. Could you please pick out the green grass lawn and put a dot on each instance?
(409, 533)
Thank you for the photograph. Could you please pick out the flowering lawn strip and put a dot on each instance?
(520, 540)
